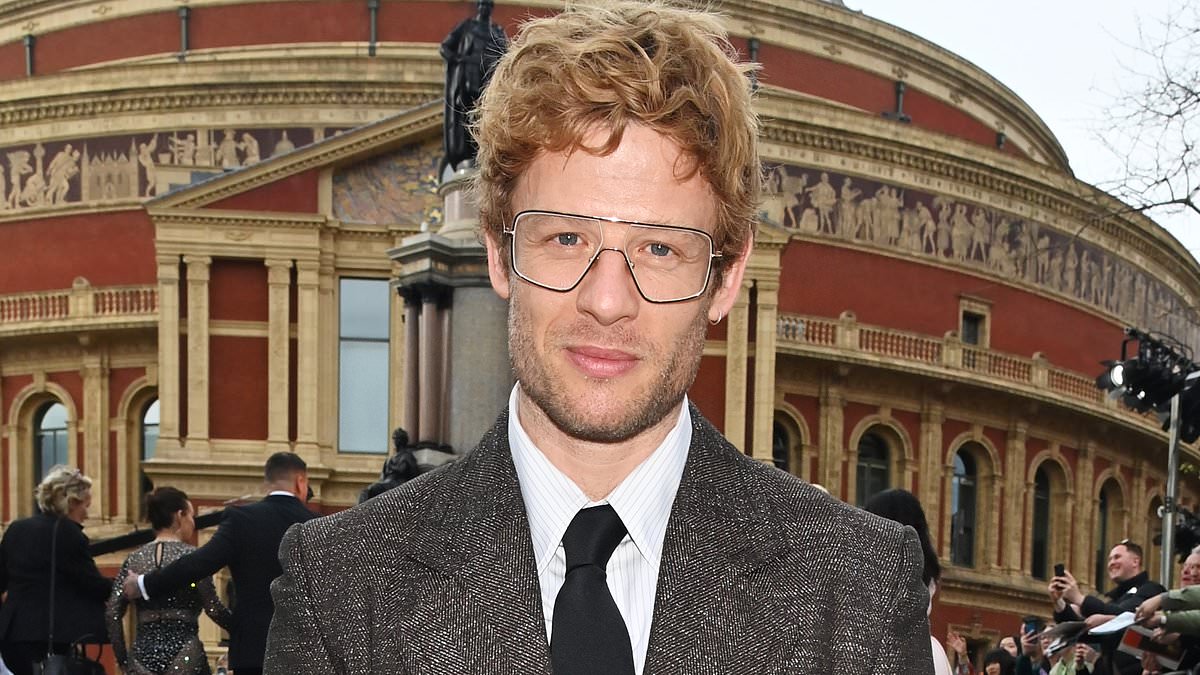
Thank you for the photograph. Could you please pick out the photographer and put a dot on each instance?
(1133, 587)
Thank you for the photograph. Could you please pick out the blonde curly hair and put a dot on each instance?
(62, 484)
(610, 65)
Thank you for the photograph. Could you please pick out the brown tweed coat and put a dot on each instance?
(761, 573)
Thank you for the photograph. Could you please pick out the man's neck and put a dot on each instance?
(596, 468)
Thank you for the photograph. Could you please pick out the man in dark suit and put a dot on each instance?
(247, 542)
(603, 526)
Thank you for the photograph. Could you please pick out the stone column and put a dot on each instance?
(444, 382)
(396, 363)
(932, 478)
(737, 338)
(412, 360)
(764, 367)
(279, 279)
(832, 405)
(95, 430)
(1084, 520)
(430, 422)
(198, 350)
(308, 339)
(327, 348)
(168, 350)
(1014, 497)
(737, 347)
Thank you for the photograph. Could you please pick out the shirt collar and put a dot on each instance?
(281, 493)
(643, 499)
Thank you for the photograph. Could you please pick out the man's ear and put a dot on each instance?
(497, 265)
(731, 285)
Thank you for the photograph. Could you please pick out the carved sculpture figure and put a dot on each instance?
(470, 51)
(146, 159)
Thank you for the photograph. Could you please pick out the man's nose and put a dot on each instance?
(608, 292)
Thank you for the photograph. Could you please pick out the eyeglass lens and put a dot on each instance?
(556, 251)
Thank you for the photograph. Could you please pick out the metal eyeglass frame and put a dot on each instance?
(510, 230)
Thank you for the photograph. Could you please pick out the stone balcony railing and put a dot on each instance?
(82, 307)
(845, 339)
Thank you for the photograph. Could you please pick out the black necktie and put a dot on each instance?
(589, 636)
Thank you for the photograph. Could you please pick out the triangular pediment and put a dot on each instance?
(283, 173)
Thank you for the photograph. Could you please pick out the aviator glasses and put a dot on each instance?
(555, 251)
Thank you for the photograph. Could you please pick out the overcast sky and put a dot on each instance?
(1067, 59)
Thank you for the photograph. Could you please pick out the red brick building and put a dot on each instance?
(194, 227)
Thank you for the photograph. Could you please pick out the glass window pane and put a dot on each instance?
(54, 417)
(781, 444)
(872, 469)
(363, 397)
(1041, 526)
(962, 520)
(50, 439)
(364, 308)
(150, 430)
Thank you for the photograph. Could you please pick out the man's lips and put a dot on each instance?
(599, 362)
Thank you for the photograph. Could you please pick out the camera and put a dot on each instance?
(1059, 569)
(1187, 533)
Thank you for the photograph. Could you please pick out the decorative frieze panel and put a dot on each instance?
(100, 170)
(394, 188)
(824, 205)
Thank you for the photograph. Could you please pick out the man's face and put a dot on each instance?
(599, 361)
(1123, 564)
(1190, 574)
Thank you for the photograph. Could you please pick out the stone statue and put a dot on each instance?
(471, 51)
(398, 469)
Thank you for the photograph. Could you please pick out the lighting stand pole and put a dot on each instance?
(1168, 507)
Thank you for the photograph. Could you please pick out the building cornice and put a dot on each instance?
(332, 83)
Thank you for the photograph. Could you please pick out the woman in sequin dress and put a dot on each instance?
(167, 640)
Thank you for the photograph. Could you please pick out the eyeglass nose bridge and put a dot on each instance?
(628, 263)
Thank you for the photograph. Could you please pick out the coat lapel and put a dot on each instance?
(718, 537)
(483, 594)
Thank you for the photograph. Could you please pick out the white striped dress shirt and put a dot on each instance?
(643, 501)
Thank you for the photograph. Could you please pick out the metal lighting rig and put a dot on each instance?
(1159, 376)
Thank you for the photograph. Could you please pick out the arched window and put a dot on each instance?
(50, 439)
(149, 430)
(873, 467)
(1041, 525)
(781, 446)
(962, 509)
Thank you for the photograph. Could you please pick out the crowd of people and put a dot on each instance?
(1137, 627)
(56, 598)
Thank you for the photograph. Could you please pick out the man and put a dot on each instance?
(1133, 587)
(247, 542)
(603, 525)
(1176, 615)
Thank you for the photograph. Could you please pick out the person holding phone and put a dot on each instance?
(1133, 587)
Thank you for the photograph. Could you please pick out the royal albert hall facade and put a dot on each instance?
(198, 198)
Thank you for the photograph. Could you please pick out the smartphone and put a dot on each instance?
(1059, 569)
(1028, 627)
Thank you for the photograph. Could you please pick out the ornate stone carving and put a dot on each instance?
(980, 238)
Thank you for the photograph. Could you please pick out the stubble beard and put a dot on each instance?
(612, 424)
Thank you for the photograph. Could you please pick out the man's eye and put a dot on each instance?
(659, 249)
(567, 239)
